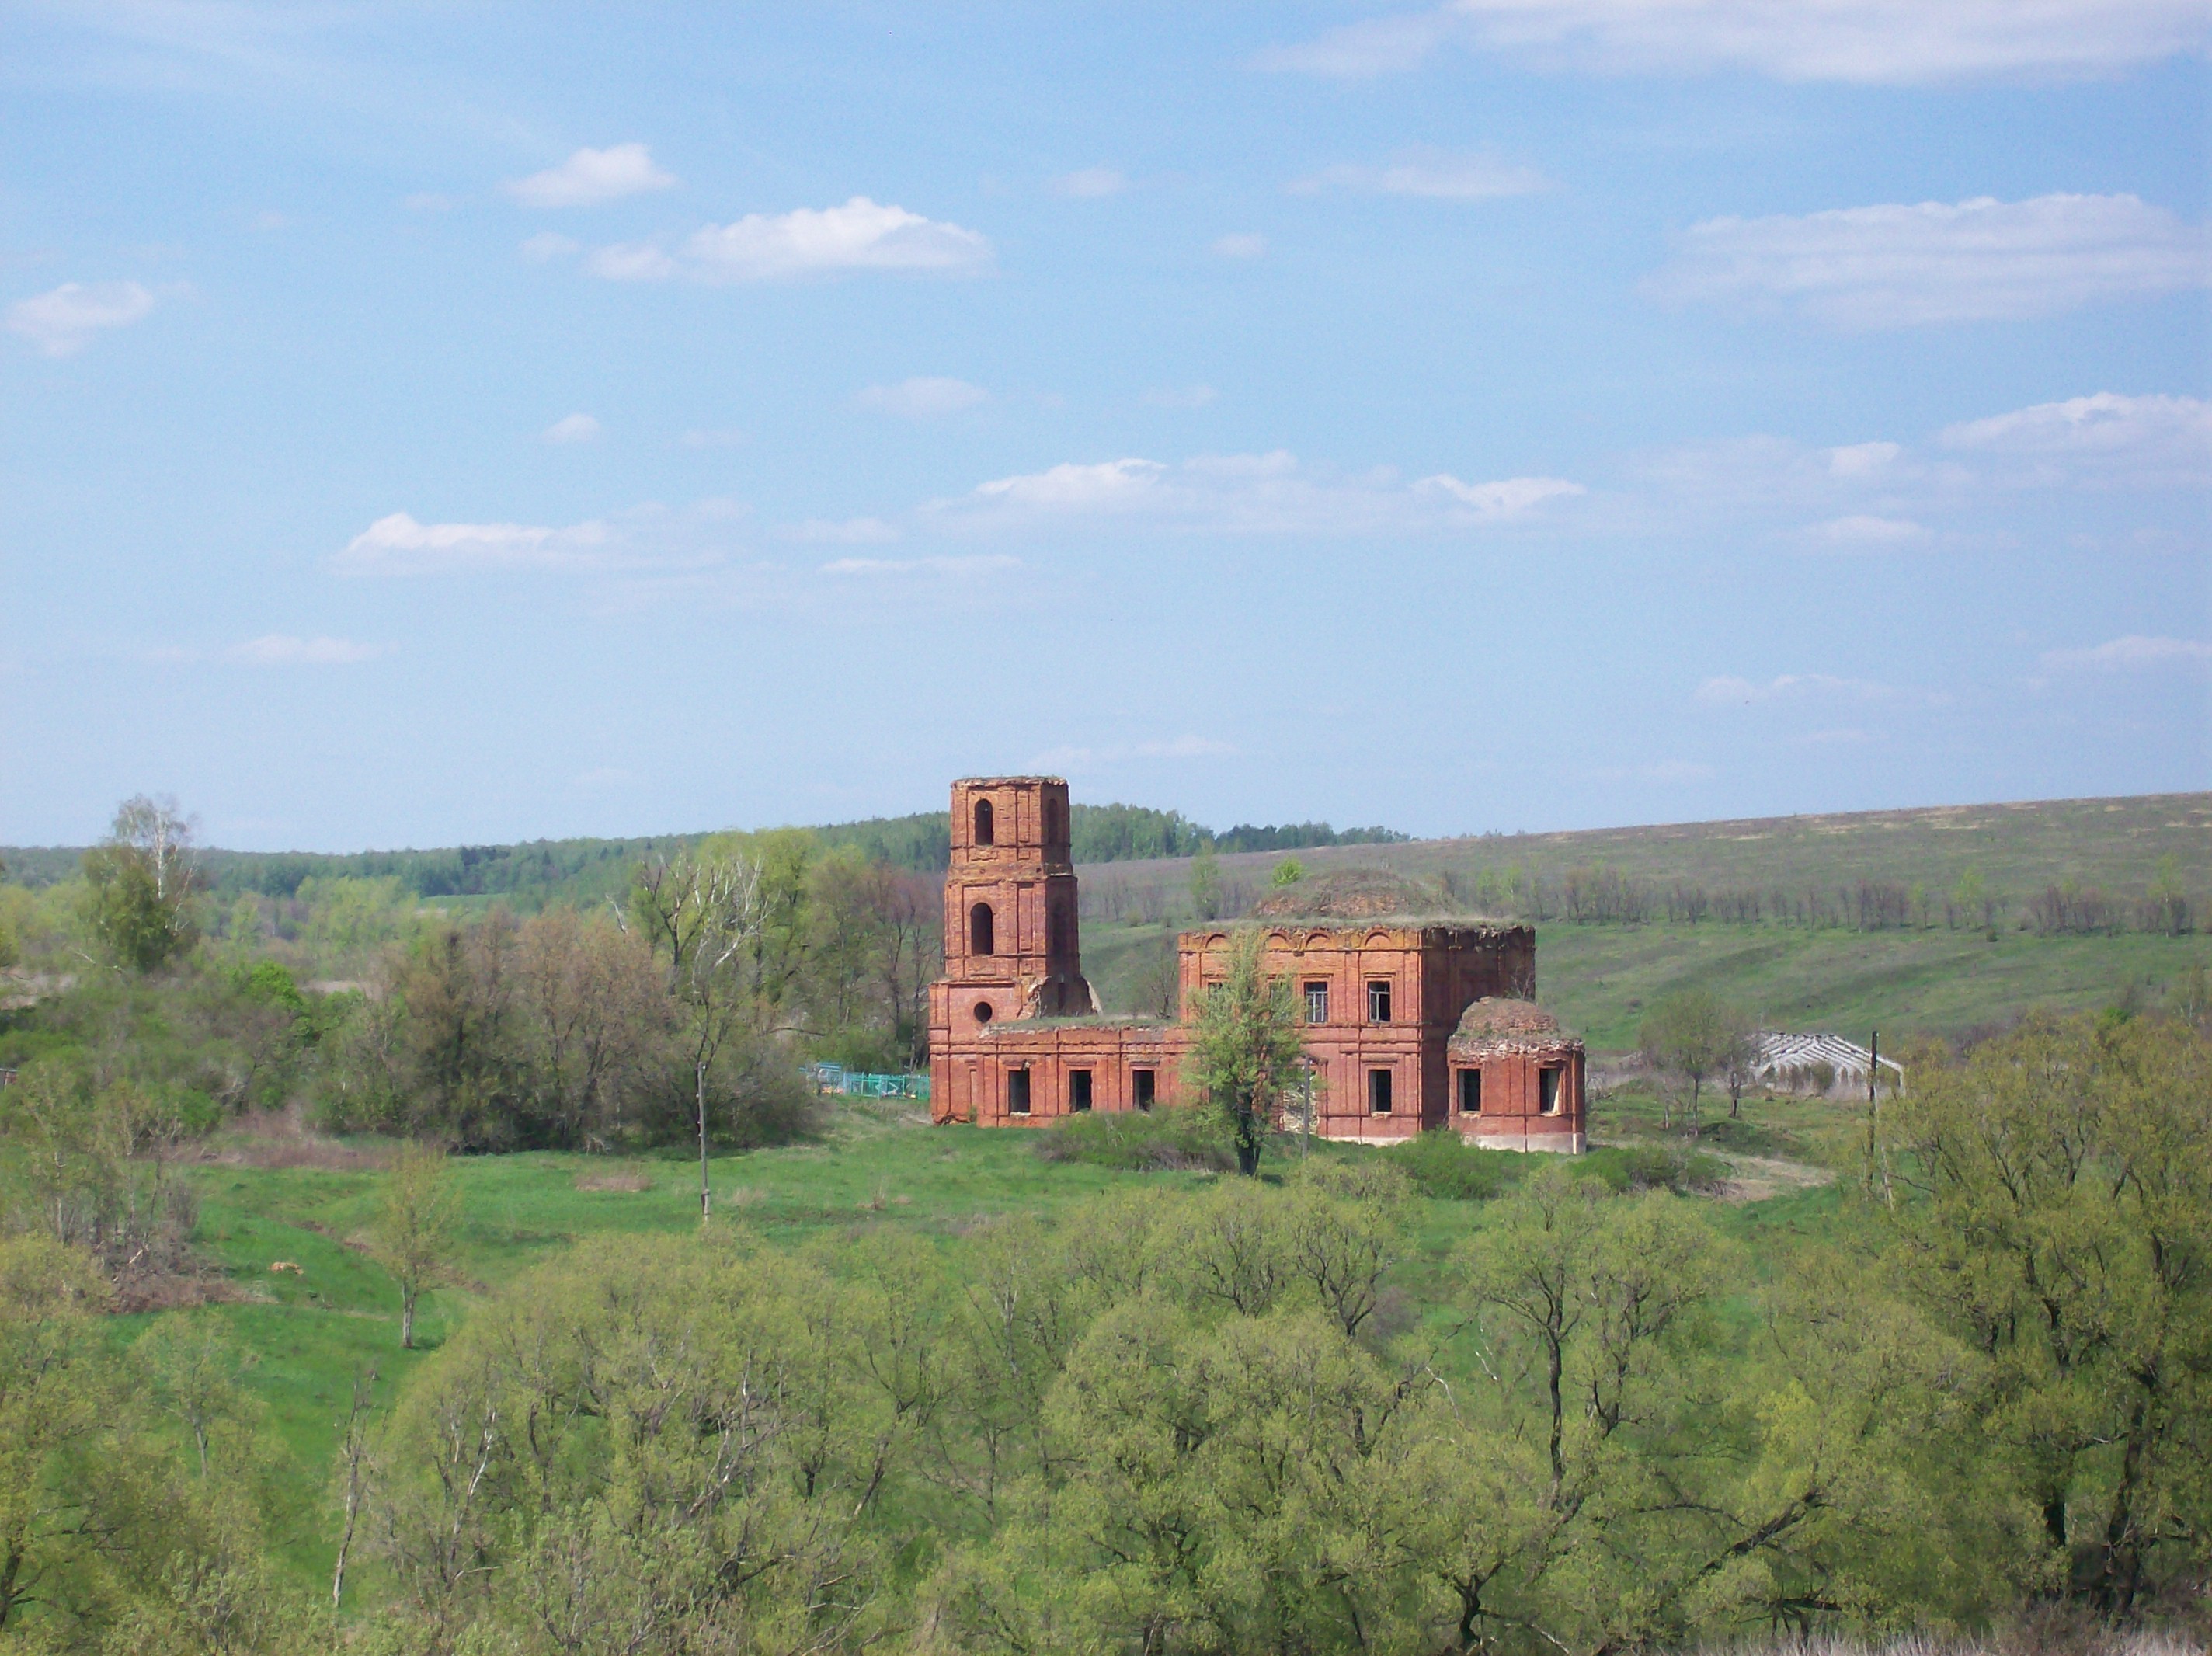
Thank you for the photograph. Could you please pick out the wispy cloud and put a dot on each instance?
(1077, 760)
(63, 320)
(1821, 687)
(1242, 245)
(1865, 42)
(278, 650)
(1863, 531)
(1249, 494)
(860, 235)
(1089, 182)
(546, 246)
(398, 545)
(1181, 396)
(716, 437)
(974, 568)
(574, 429)
(591, 176)
(1980, 260)
(2133, 653)
(2107, 436)
(1434, 174)
(920, 398)
(841, 531)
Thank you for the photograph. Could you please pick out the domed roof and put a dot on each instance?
(1499, 1021)
(1348, 894)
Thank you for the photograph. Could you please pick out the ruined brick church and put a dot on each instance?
(1413, 1020)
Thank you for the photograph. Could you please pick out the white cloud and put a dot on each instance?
(860, 235)
(398, 545)
(1240, 247)
(1089, 182)
(1434, 174)
(1866, 42)
(722, 437)
(1665, 773)
(2144, 439)
(842, 532)
(1863, 460)
(957, 569)
(919, 398)
(546, 246)
(1079, 760)
(1727, 691)
(1863, 531)
(1510, 497)
(1181, 396)
(1250, 493)
(1979, 260)
(2134, 653)
(591, 176)
(574, 428)
(278, 650)
(65, 319)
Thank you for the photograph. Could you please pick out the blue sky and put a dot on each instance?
(422, 424)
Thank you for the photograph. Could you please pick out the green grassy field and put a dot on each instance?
(2119, 844)
(1600, 979)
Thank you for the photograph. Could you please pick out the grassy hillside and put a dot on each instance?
(1600, 979)
(2119, 844)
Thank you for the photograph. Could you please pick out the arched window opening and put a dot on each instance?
(980, 937)
(985, 831)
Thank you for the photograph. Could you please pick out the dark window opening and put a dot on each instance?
(1062, 943)
(1141, 1083)
(1079, 1089)
(1378, 1002)
(1052, 830)
(1378, 1092)
(1470, 1092)
(983, 1012)
(1317, 1003)
(1548, 1091)
(986, 830)
(1018, 1092)
(981, 934)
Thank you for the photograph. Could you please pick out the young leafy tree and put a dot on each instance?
(140, 882)
(2055, 1213)
(1205, 883)
(1245, 1047)
(1694, 1035)
(413, 1235)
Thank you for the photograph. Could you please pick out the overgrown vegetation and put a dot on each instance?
(1223, 1415)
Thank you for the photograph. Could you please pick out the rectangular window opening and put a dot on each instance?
(1470, 1092)
(1378, 1002)
(1317, 1003)
(1079, 1089)
(1378, 1092)
(1141, 1083)
(1548, 1091)
(1018, 1092)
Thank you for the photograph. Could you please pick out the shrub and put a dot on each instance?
(1441, 1164)
(1140, 1141)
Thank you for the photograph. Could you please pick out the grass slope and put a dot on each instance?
(2019, 848)
(1602, 978)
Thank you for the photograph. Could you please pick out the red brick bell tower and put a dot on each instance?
(1011, 948)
